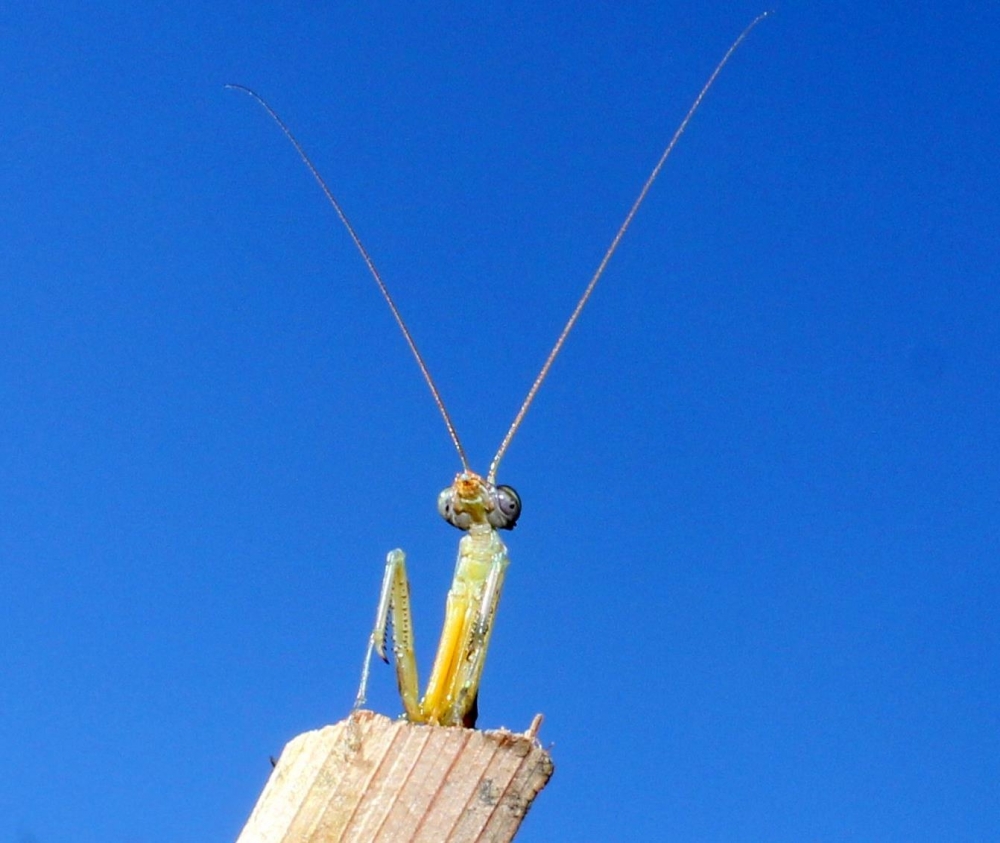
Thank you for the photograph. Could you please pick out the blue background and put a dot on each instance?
(754, 589)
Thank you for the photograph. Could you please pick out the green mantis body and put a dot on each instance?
(472, 503)
(450, 698)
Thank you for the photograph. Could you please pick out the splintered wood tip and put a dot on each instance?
(369, 778)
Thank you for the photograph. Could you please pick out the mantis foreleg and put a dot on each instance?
(395, 599)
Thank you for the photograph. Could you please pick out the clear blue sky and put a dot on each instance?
(755, 586)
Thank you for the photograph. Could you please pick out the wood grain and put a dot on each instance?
(369, 778)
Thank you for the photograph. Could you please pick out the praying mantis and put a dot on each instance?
(474, 504)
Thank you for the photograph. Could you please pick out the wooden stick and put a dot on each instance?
(369, 778)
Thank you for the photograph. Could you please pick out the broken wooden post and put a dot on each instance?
(370, 778)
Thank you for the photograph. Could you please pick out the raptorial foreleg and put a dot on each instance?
(394, 601)
(470, 667)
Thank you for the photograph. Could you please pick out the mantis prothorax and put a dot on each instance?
(472, 503)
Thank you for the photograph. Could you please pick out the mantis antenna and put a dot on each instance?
(571, 322)
(584, 298)
(383, 289)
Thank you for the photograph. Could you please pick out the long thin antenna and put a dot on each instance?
(371, 268)
(612, 248)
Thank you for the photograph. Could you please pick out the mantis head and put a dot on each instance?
(473, 500)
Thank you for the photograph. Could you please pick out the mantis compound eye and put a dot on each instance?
(446, 509)
(508, 509)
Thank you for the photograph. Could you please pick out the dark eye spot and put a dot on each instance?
(509, 504)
